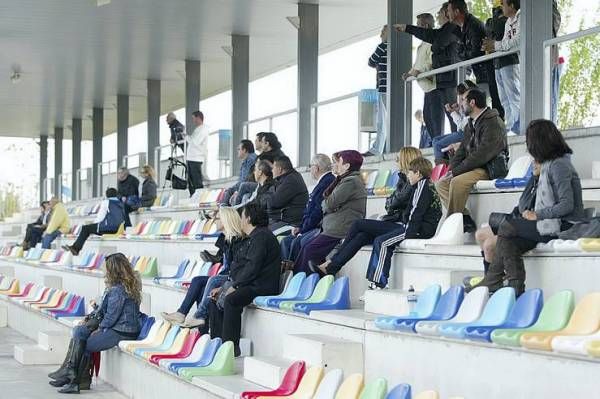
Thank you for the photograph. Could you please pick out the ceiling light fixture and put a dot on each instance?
(294, 21)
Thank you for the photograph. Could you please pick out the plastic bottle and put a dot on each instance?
(411, 298)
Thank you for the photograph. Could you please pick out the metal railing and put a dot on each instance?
(48, 188)
(82, 175)
(105, 168)
(129, 160)
(65, 183)
(269, 118)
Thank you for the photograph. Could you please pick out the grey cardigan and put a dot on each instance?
(566, 188)
(347, 203)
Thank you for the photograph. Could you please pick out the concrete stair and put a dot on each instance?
(265, 371)
(50, 349)
(386, 302)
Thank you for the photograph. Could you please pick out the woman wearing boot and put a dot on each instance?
(118, 319)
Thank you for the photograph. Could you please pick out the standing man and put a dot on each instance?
(378, 60)
(177, 131)
(197, 152)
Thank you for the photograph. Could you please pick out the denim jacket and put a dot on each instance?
(121, 313)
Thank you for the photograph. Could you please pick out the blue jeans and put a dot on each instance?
(291, 245)
(211, 284)
(194, 294)
(379, 144)
(100, 340)
(444, 141)
(509, 89)
(246, 187)
(48, 238)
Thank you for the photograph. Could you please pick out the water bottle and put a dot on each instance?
(411, 298)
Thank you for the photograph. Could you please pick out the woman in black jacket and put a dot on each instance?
(148, 186)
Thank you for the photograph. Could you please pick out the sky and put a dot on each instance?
(337, 124)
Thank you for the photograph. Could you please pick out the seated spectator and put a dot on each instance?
(109, 218)
(256, 272)
(35, 230)
(483, 147)
(248, 187)
(558, 204)
(287, 203)
(59, 223)
(263, 174)
(117, 319)
(270, 147)
(320, 170)
(148, 186)
(418, 220)
(229, 243)
(344, 201)
(128, 187)
(248, 157)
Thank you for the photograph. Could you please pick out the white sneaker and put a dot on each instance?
(193, 322)
(174, 318)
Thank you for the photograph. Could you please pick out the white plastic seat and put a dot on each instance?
(450, 233)
(568, 246)
(329, 385)
(518, 169)
(576, 344)
(149, 338)
(194, 356)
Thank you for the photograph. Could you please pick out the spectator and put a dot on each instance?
(271, 147)
(177, 132)
(35, 230)
(229, 242)
(378, 60)
(287, 203)
(248, 157)
(558, 204)
(249, 186)
(59, 223)
(444, 52)
(344, 201)
(197, 152)
(256, 273)
(128, 189)
(419, 219)
(148, 186)
(483, 144)
(117, 319)
(424, 137)
(263, 174)
(320, 171)
(508, 76)
(471, 39)
(109, 218)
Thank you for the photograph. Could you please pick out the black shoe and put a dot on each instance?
(367, 154)
(78, 360)
(237, 352)
(61, 372)
(60, 382)
(469, 225)
(208, 257)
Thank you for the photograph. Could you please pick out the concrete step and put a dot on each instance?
(36, 355)
(327, 351)
(265, 371)
(386, 302)
(3, 316)
(54, 341)
(227, 387)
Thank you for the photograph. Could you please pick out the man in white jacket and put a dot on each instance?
(197, 152)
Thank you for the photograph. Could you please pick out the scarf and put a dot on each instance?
(545, 199)
(334, 184)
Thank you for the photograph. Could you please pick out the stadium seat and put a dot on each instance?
(329, 384)
(438, 172)
(26, 290)
(318, 295)
(401, 391)
(426, 303)
(370, 182)
(207, 357)
(222, 364)
(575, 344)
(380, 182)
(585, 320)
(519, 171)
(593, 348)
(163, 343)
(590, 244)
(289, 383)
(428, 395)
(169, 346)
(154, 338)
(338, 298)
(289, 293)
(9, 286)
(375, 389)
(469, 311)
(307, 387)
(390, 186)
(306, 290)
(194, 356)
(450, 233)
(178, 274)
(524, 313)
(148, 323)
(351, 387)
(495, 313)
(178, 351)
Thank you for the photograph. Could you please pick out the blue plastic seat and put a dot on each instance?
(166, 344)
(446, 308)
(494, 314)
(146, 327)
(525, 312)
(338, 298)
(180, 272)
(426, 303)
(401, 391)
(290, 292)
(207, 357)
(306, 290)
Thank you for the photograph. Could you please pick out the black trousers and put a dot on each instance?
(195, 178)
(227, 323)
(33, 234)
(437, 101)
(86, 231)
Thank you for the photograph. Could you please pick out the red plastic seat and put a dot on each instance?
(186, 349)
(214, 270)
(288, 385)
(439, 171)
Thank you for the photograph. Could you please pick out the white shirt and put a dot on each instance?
(197, 147)
(102, 211)
(423, 63)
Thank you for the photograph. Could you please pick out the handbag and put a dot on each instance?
(496, 219)
(92, 321)
(223, 294)
(497, 168)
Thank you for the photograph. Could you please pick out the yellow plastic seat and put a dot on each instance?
(140, 265)
(120, 231)
(351, 387)
(13, 289)
(590, 244)
(585, 320)
(308, 386)
(593, 348)
(174, 348)
(52, 302)
(428, 395)
(158, 339)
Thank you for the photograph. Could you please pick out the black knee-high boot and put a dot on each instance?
(81, 375)
(62, 370)
(72, 364)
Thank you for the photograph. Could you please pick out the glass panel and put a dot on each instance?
(335, 133)
(66, 189)
(212, 164)
(261, 126)
(286, 128)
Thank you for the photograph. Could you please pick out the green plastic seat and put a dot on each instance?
(222, 364)
(318, 295)
(151, 269)
(554, 316)
(375, 390)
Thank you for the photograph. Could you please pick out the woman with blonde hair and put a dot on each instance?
(149, 186)
(116, 319)
(201, 286)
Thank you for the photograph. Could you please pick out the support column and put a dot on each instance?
(58, 154)
(76, 131)
(97, 134)
(122, 127)
(192, 92)
(153, 104)
(308, 76)
(43, 164)
(399, 61)
(240, 78)
(536, 26)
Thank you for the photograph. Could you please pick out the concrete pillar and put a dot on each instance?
(43, 164)
(240, 78)
(97, 134)
(122, 127)
(58, 154)
(399, 100)
(192, 92)
(308, 76)
(153, 105)
(76, 131)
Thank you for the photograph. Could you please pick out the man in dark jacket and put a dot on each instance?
(177, 131)
(472, 34)
(270, 147)
(256, 273)
(128, 188)
(286, 205)
(35, 230)
(484, 140)
(444, 52)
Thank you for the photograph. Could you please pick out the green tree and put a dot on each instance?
(482, 9)
(9, 202)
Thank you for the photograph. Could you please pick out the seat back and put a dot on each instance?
(472, 305)
(451, 230)
(375, 389)
(401, 391)
(449, 303)
(329, 385)
(586, 316)
(427, 300)
(308, 287)
(519, 168)
(309, 384)
(339, 293)
(498, 307)
(210, 351)
(148, 323)
(526, 310)
(370, 183)
(556, 312)
(438, 172)
(321, 290)
(351, 387)
(293, 376)
(294, 285)
(382, 178)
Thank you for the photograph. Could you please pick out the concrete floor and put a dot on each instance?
(31, 382)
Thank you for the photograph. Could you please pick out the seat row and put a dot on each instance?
(146, 266)
(173, 229)
(569, 246)
(83, 210)
(11, 251)
(186, 271)
(527, 322)
(380, 182)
